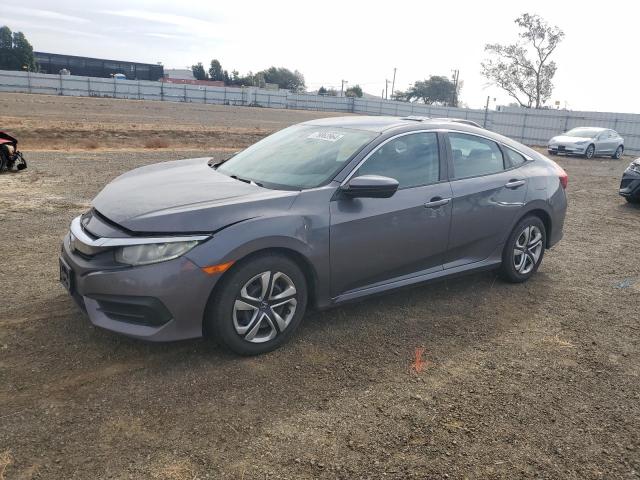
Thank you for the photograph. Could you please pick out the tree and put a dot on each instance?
(434, 90)
(399, 96)
(523, 69)
(354, 91)
(198, 71)
(284, 77)
(16, 53)
(322, 91)
(215, 71)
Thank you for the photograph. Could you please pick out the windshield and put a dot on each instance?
(583, 132)
(298, 157)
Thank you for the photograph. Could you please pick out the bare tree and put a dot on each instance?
(523, 69)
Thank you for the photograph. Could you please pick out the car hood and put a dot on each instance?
(185, 196)
(568, 139)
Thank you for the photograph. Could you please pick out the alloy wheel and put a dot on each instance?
(618, 153)
(527, 249)
(590, 151)
(264, 307)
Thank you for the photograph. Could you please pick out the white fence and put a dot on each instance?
(533, 127)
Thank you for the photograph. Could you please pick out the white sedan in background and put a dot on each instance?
(588, 142)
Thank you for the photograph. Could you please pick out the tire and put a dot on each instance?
(4, 158)
(518, 268)
(618, 152)
(633, 200)
(590, 151)
(243, 318)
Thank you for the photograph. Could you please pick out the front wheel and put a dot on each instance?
(259, 305)
(618, 152)
(524, 250)
(590, 151)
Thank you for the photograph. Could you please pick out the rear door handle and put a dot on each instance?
(436, 202)
(514, 183)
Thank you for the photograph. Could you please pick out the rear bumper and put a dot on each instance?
(159, 302)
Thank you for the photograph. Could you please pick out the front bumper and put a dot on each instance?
(630, 184)
(159, 302)
(567, 149)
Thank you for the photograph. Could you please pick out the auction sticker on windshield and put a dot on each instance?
(327, 136)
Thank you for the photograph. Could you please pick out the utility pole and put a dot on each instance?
(393, 84)
(342, 88)
(454, 96)
(386, 89)
(486, 112)
(382, 94)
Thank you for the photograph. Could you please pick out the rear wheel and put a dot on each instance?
(524, 250)
(618, 152)
(259, 305)
(633, 200)
(590, 151)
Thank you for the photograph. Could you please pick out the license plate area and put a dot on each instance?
(66, 276)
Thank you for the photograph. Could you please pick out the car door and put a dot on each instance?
(488, 192)
(604, 143)
(612, 141)
(377, 240)
(600, 142)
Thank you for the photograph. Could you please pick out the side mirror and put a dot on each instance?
(370, 186)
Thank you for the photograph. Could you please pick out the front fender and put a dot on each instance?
(306, 236)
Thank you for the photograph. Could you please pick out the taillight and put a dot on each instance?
(564, 178)
(562, 175)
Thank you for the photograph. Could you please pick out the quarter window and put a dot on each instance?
(513, 158)
(474, 156)
(412, 160)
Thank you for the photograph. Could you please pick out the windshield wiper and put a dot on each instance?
(246, 180)
(235, 177)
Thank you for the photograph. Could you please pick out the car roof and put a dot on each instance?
(589, 128)
(382, 123)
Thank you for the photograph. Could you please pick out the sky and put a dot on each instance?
(360, 42)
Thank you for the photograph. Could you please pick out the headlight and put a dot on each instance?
(582, 142)
(153, 252)
(635, 167)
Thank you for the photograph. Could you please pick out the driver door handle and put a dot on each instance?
(514, 183)
(436, 202)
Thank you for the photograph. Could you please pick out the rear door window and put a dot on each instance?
(474, 156)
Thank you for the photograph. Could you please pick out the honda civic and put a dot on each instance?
(318, 214)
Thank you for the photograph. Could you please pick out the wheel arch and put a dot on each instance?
(305, 265)
(543, 215)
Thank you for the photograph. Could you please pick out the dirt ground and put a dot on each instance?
(540, 380)
(79, 123)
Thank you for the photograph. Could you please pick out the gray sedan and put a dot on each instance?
(588, 142)
(316, 215)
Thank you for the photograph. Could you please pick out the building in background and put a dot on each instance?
(97, 67)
